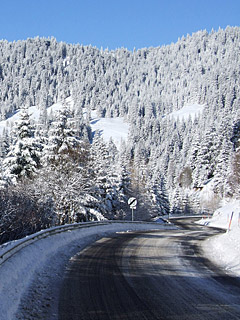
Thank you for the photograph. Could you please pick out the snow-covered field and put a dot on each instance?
(115, 128)
(224, 250)
(34, 114)
(192, 110)
(30, 279)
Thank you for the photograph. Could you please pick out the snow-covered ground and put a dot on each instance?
(224, 249)
(34, 114)
(115, 128)
(192, 110)
(30, 279)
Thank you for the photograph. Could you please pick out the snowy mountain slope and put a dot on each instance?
(192, 110)
(174, 159)
(115, 128)
(34, 114)
(143, 86)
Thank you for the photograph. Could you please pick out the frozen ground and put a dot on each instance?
(224, 250)
(29, 280)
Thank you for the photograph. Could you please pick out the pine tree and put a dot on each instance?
(103, 173)
(222, 167)
(234, 176)
(66, 169)
(23, 158)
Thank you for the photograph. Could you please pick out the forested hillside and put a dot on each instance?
(57, 172)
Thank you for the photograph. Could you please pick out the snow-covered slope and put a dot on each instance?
(34, 114)
(115, 128)
(225, 249)
(192, 110)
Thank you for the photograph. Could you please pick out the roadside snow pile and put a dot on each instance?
(192, 110)
(224, 250)
(221, 217)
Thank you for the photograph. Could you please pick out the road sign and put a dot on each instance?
(132, 203)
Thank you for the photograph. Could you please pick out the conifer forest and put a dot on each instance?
(54, 170)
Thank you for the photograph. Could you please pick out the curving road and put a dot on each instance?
(149, 275)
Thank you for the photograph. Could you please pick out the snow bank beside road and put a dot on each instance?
(30, 278)
(224, 250)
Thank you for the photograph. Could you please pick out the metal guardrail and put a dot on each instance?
(9, 252)
(22, 243)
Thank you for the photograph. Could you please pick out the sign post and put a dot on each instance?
(132, 203)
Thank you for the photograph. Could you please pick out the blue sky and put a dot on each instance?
(112, 23)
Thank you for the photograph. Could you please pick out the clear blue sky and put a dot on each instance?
(114, 23)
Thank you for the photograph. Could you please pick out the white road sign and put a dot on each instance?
(132, 202)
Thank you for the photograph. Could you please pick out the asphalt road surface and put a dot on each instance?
(149, 275)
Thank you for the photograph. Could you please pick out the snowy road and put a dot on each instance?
(149, 275)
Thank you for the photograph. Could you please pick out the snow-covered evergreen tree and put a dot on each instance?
(65, 168)
(23, 158)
